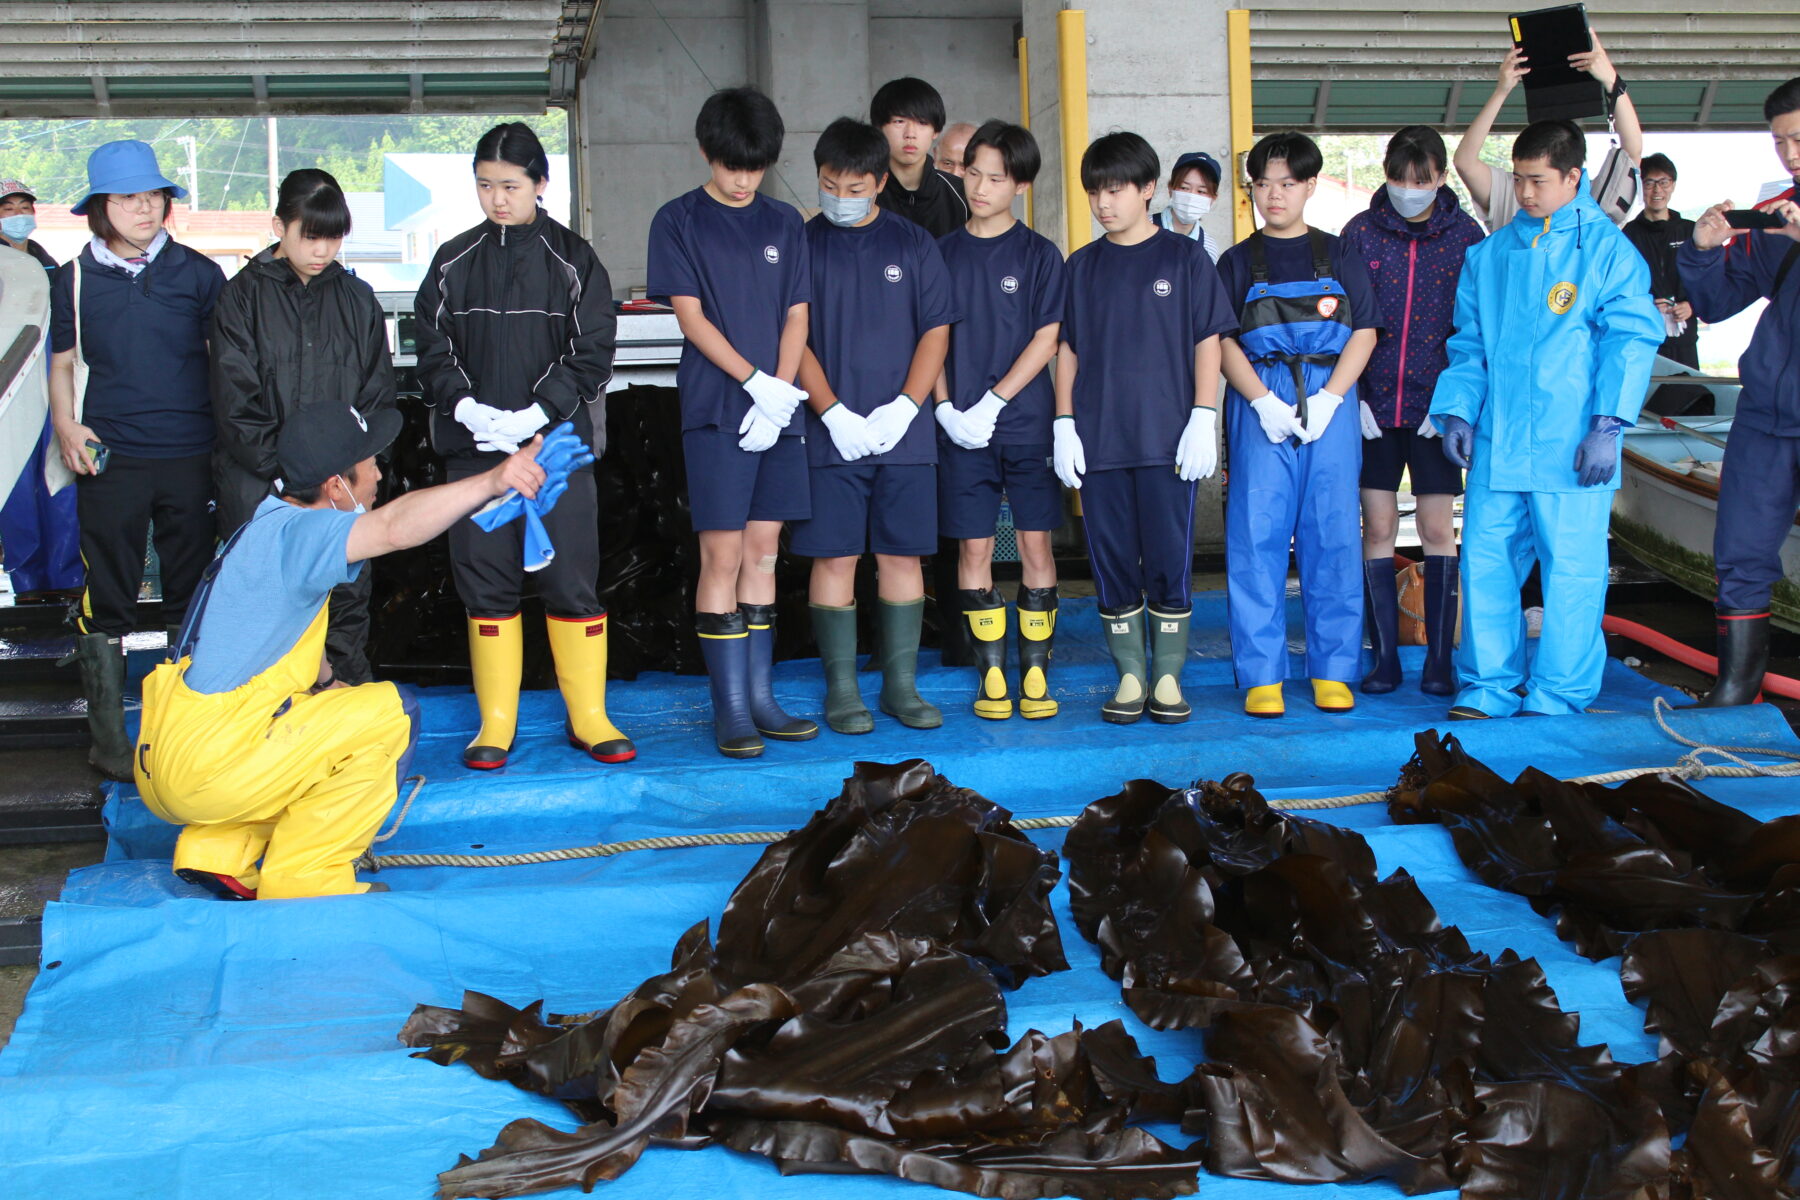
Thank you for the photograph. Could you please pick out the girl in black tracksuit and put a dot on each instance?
(294, 328)
(515, 333)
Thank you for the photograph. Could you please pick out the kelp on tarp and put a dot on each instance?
(1702, 903)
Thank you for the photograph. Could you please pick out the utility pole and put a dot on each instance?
(274, 169)
(193, 170)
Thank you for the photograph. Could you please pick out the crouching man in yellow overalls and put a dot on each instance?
(246, 741)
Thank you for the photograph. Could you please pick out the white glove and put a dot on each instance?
(1371, 428)
(1067, 455)
(1319, 407)
(774, 399)
(849, 431)
(759, 432)
(1279, 419)
(981, 417)
(1197, 453)
(476, 417)
(1427, 429)
(956, 425)
(888, 424)
(518, 427)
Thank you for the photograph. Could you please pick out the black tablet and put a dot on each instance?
(1554, 89)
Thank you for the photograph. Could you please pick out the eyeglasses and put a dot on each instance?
(136, 202)
(1659, 184)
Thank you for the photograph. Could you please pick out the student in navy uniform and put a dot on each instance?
(1309, 321)
(878, 331)
(995, 408)
(1137, 384)
(733, 264)
(910, 114)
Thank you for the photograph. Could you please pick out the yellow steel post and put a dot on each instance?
(1243, 126)
(1025, 115)
(1071, 47)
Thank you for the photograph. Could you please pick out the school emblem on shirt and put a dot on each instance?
(771, 254)
(892, 273)
(1161, 287)
(1009, 285)
(1562, 298)
(1327, 306)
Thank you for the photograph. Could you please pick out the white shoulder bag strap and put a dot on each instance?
(57, 476)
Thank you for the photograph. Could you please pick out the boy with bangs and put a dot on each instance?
(995, 405)
(733, 264)
(1137, 383)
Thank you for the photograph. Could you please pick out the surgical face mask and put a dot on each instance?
(18, 227)
(1189, 207)
(356, 506)
(1410, 202)
(845, 211)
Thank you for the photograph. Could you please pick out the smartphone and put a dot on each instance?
(100, 454)
(1750, 218)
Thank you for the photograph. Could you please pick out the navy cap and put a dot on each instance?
(318, 441)
(1201, 159)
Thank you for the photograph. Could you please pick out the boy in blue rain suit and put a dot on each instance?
(733, 265)
(1137, 384)
(995, 411)
(880, 325)
(1308, 320)
(1555, 337)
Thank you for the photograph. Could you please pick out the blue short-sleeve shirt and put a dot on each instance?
(1133, 317)
(268, 590)
(747, 266)
(877, 289)
(1007, 288)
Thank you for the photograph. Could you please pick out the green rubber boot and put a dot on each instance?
(1125, 642)
(900, 625)
(834, 628)
(102, 662)
(1168, 651)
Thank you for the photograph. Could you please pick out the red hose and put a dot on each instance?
(1687, 656)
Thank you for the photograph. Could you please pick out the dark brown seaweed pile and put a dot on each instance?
(850, 1019)
(1703, 903)
(1348, 1035)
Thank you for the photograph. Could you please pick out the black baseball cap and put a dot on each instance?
(318, 441)
(1197, 158)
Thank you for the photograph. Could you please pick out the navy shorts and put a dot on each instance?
(728, 487)
(870, 506)
(1398, 450)
(971, 482)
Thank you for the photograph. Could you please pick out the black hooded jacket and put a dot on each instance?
(515, 315)
(277, 345)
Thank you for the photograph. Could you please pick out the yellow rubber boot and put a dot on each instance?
(579, 646)
(1331, 696)
(497, 659)
(986, 614)
(1265, 701)
(1037, 626)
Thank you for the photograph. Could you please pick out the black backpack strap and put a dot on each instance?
(1321, 249)
(1259, 258)
(1781, 272)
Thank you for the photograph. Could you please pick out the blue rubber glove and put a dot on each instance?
(1459, 440)
(1597, 458)
(500, 512)
(538, 550)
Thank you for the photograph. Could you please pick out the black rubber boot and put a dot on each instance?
(102, 662)
(1743, 649)
(1439, 676)
(986, 614)
(1381, 615)
(1037, 630)
(901, 625)
(770, 719)
(1168, 651)
(725, 643)
(834, 629)
(1125, 642)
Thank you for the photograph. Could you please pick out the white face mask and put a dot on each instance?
(19, 226)
(356, 506)
(845, 211)
(1410, 202)
(1189, 207)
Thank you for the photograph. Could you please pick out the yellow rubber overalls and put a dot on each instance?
(270, 771)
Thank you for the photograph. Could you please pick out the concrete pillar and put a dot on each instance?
(811, 57)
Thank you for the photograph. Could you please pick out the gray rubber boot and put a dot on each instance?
(1125, 642)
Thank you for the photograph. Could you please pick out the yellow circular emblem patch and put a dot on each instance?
(1562, 298)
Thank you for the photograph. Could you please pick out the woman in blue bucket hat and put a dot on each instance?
(133, 417)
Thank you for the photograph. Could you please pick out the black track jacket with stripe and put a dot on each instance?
(514, 315)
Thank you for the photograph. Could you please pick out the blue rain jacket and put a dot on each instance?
(1554, 326)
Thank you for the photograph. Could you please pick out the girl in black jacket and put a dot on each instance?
(294, 328)
(515, 335)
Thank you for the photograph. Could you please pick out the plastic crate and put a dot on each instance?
(1006, 538)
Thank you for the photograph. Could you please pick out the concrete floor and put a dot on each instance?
(26, 874)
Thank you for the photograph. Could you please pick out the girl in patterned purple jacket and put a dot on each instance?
(1412, 238)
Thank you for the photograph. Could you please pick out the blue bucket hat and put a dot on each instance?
(123, 169)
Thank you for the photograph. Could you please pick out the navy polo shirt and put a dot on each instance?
(1290, 261)
(144, 340)
(877, 289)
(1007, 288)
(747, 266)
(1133, 317)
